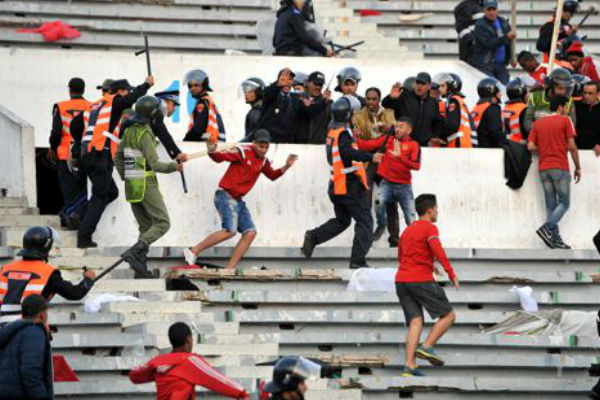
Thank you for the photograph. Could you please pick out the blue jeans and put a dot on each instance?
(400, 193)
(557, 189)
(234, 214)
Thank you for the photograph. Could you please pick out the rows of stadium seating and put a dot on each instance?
(297, 306)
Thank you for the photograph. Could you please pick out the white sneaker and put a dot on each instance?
(190, 258)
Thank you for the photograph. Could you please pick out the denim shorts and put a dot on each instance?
(235, 216)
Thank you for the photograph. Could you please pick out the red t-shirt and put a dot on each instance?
(418, 245)
(244, 170)
(551, 135)
(176, 375)
(400, 158)
(539, 74)
(589, 69)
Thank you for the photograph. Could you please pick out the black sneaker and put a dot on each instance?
(309, 244)
(86, 244)
(378, 233)
(546, 236)
(357, 266)
(559, 244)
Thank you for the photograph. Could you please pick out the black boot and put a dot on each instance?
(309, 244)
(136, 257)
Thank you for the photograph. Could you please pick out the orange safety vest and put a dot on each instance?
(511, 115)
(97, 120)
(478, 111)
(338, 170)
(68, 110)
(212, 126)
(19, 280)
(442, 107)
(466, 136)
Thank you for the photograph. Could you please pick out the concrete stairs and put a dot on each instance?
(301, 307)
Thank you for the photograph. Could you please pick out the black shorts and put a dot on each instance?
(414, 296)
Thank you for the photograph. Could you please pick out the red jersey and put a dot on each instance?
(589, 69)
(400, 158)
(551, 135)
(418, 245)
(244, 170)
(176, 375)
(539, 74)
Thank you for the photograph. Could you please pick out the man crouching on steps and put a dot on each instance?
(137, 162)
(417, 289)
(246, 164)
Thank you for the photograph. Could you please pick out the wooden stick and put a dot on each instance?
(513, 42)
(557, 21)
(204, 153)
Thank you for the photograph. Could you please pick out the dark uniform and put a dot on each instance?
(291, 37)
(465, 15)
(98, 165)
(347, 191)
(159, 128)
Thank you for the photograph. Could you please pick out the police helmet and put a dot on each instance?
(559, 76)
(37, 242)
(579, 82)
(488, 88)
(255, 85)
(197, 76)
(348, 73)
(288, 374)
(409, 83)
(341, 110)
(516, 89)
(147, 106)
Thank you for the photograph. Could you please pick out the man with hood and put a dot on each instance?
(137, 162)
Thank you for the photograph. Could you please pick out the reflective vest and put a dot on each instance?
(135, 162)
(97, 135)
(338, 170)
(68, 110)
(466, 137)
(511, 117)
(541, 104)
(442, 107)
(19, 280)
(478, 111)
(212, 125)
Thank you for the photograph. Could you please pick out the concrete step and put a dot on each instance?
(19, 211)
(100, 340)
(167, 319)
(158, 307)
(27, 221)
(13, 236)
(262, 349)
(82, 319)
(12, 202)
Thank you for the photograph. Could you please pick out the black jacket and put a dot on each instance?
(348, 154)
(517, 160)
(25, 362)
(423, 112)
(253, 117)
(487, 41)
(291, 35)
(465, 15)
(305, 117)
(199, 119)
(122, 103)
(490, 132)
(588, 125)
(319, 122)
(280, 111)
(162, 133)
(544, 41)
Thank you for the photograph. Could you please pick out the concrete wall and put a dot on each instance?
(37, 78)
(17, 157)
(476, 208)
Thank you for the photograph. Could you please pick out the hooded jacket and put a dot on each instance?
(291, 35)
(25, 362)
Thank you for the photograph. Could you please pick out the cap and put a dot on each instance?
(435, 86)
(120, 84)
(172, 95)
(262, 136)
(423, 77)
(490, 4)
(105, 84)
(576, 49)
(77, 85)
(317, 78)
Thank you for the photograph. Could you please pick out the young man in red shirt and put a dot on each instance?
(177, 373)
(552, 136)
(581, 64)
(402, 155)
(417, 289)
(247, 163)
(529, 63)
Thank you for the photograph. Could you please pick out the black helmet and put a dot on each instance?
(255, 85)
(288, 373)
(560, 76)
(409, 83)
(300, 78)
(341, 110)
(457, 82)
(488, 88)
(348, 73)
(197, 76)
(147, 106)
(516, 89)
(578, 82)
(37, 242)
(571, 6)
